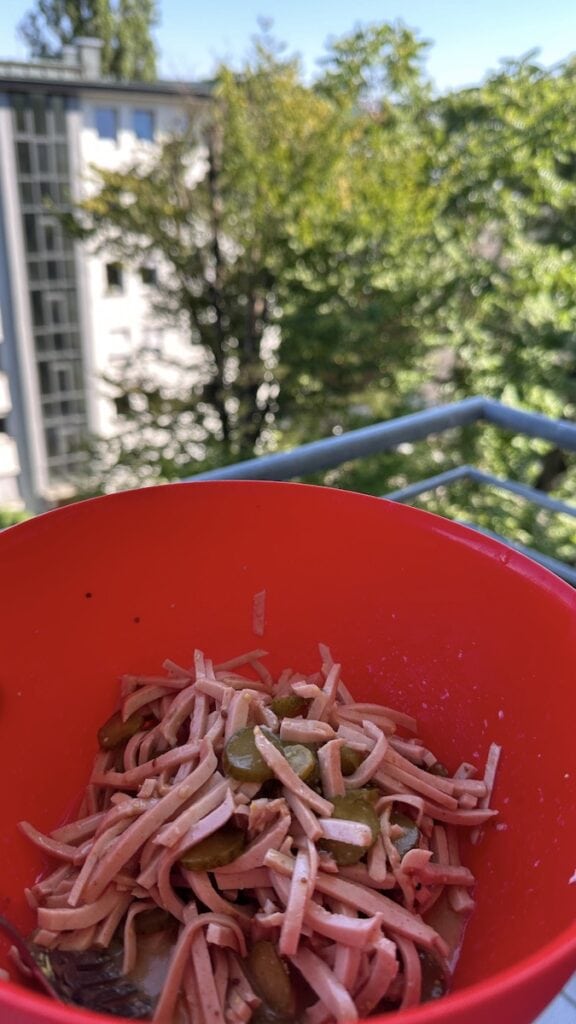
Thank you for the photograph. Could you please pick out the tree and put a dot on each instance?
(508, 175)
(133, 48)
(128, 52)
(279, 223)
(498, 310)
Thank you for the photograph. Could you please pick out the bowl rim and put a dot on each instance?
(457, 532)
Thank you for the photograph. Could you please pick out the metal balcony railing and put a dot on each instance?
(357, 444)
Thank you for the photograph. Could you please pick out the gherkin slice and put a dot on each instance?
(289, 706)
(216, 850)
(241, 758)
(350, 760)
(411, 838)
(354, 806)
(269, 976)
(114, 732)
(302, 760)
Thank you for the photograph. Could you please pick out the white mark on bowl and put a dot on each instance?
(572, 881)
(537, 863)
(502, 827)
(500, 714)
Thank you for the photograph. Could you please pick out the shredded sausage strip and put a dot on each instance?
(355, 931)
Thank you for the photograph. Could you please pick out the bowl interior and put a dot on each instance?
(473, 640)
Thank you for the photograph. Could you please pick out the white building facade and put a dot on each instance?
(69, 316)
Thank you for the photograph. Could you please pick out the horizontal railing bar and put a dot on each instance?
(534, 424)
(561, 569)
(465, 472)
(355, 444)
(430, 483)
(333, 451)
(523, 490)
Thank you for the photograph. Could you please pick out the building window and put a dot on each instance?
(143, 124)
(21, 105)
(37, 309)
(30, 232)
(24, 158)
(39, 112)
(114, 277)
(52, 234)
(148, 276)
(107, 122)
(61, 158)
(59, 114)
(57, 306)
(42, 156)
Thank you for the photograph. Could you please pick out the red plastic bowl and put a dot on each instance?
(478, 642)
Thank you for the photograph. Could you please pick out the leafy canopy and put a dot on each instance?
(124, 27)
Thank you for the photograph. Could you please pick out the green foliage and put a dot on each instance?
(124, 27)
(352, 249)
(9, 517)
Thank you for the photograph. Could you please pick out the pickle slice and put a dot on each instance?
(241, 758)
(302, 760)
(114, 732)
(289, 706)
(269, 976)
(354, 806)
(411, 837)
(350, 760)
(222, 847)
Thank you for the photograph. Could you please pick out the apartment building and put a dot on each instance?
(68, 315)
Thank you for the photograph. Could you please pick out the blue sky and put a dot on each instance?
(469, 35)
